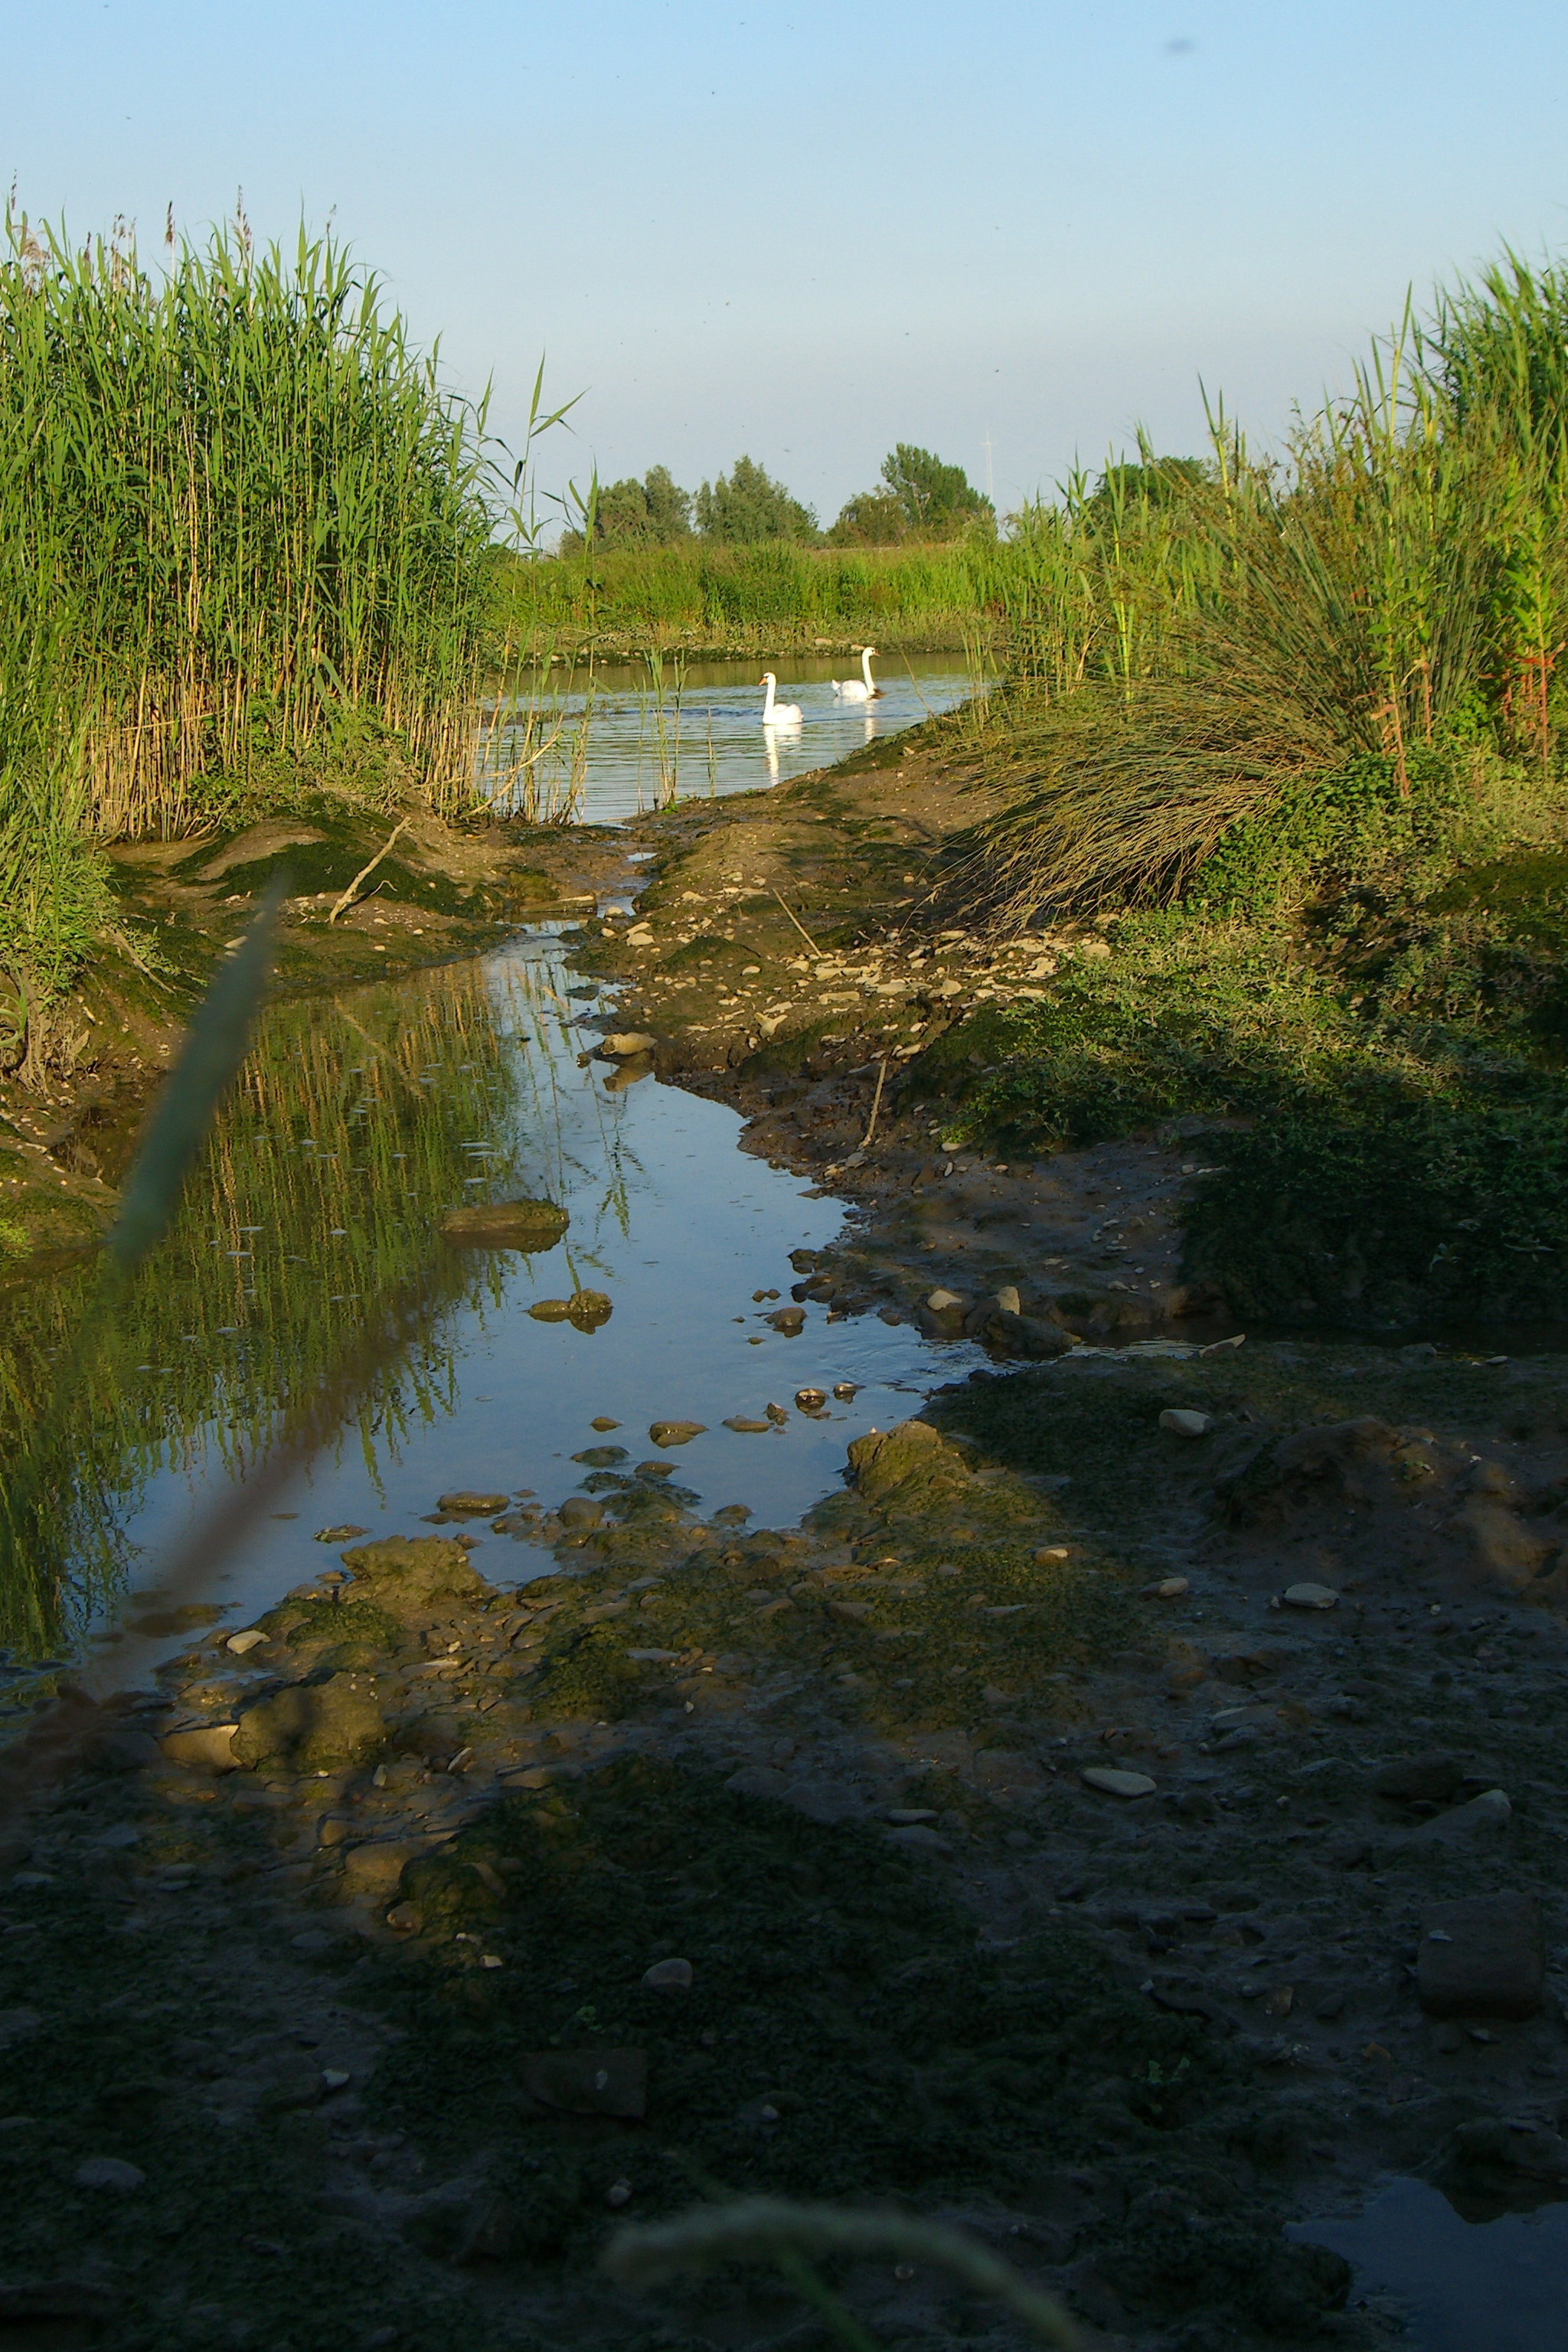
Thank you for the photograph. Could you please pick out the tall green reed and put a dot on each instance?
(258, 508)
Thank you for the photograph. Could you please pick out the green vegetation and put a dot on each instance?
(243, 537)
(747, 508)
(920, 498)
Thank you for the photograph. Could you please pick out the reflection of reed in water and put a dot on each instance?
(351, 1128)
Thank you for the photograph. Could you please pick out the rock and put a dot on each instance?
(589, 2081)
(1247, 1659)
(405, 1919)
(122, 1835)
(749, 1428)
(108, 2172)
(601, 1458)
(1117, 1784)
(312, 1726)
(207, 1748)
(625, 1044)
(668, 1976)
(1501, 1546)
(1170, 1588)
(1496, 2153)
(404, 1573)
(758, 1780)
(845, 1389)
(1181, 1422)
(906, 1817)
(790, 1320)
(1419, 1780)
(1483, 1818)
(465, 1504)
(586, 1309)
(1008, 1300)
(531, 1226)
(345, 1534)
(550, 1310)
(1484, 1956)
(916, 1837)
(581, 1511)
(945, 1302)
(675, 1433)
(810, 1399)
(1309, 1596)
(603, 1421)
(253, 1636)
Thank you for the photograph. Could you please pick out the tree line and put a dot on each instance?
(918, 497)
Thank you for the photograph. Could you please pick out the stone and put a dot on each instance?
(1170, 1588)
(1181, 1422)
(404, 1573)
(1008, 1300)
(1484, 1818)
(1502, 1547)
(312, 1726)
(209, 1747)
(123, 1748)
(675, 1433)
(625, 1044)
(915, 1837)
(1309, 1596)
(749, 1428)
(253, 1636)
(345, 1534)
(603, 1421)
(789, 1321)
(906, 1817)
(531, 1226)
(109, 2172)
(586, 1309)
(758, 1780)
(1483, 1955)
(1420, 1780)
(581, 1511)
(668, 1976)
(465, 1504)
(1117, 1784)
(550, 1310)
(405, 1919)
(116, 1840)
(601, 1458)
(945, 1302)
(589, 2081)
(810, 1399)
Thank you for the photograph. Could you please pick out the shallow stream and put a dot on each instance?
(357, 1123)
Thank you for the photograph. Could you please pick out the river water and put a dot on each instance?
(356, 1123)
(628, 739)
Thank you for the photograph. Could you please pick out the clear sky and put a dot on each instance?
(807, 231)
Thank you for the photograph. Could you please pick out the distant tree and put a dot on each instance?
(747, 506)
(870, 518)
(1157, 482)
(650, 513)
(934, 498)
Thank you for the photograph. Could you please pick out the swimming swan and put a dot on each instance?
(852, 689)
(778, 714)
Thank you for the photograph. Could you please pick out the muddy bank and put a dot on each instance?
(441, 893)
(1122, 1837)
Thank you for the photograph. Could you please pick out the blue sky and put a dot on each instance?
(807, 231)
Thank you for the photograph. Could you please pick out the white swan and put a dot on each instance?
(863, 689)
(778, 714)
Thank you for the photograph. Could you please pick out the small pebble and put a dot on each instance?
(619, 2194)
(1309, 1596)
(1183, 1423)
(108, 2172)
(669, 1976)
(1117, 1784)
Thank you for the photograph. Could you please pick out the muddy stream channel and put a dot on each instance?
(359, 1127)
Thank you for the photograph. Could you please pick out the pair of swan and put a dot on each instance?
(863, 689)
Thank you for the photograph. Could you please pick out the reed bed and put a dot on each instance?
(779, 592)
(1194, 645)
(241, 514)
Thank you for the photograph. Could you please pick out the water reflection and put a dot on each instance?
(606, 745)
(314, 1232)
(1497, 2285)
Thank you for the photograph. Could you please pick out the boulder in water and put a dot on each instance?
(532, 1226)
